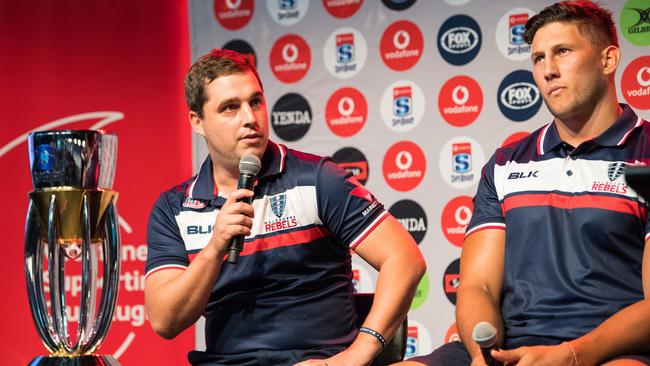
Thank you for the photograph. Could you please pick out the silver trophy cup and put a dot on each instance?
(72, 217)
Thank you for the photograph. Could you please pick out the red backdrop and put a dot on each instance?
(63, 62)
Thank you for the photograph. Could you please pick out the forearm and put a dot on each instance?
(626, 332)
(176, 304)
(396, 285)
(475, 305)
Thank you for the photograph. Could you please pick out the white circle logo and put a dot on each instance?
(460, 163)
(233, 4)
(402, 105)
(460, 95)
(463, 215)
(510, 34)
(345, 52)
(639, 76)
(287, 12)
(401, 39)
(346, 106)
(404, 160)
(290, 52)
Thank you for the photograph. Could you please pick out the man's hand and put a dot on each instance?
(345, 358)
(559, 355)
(234, 218)
(478, 361)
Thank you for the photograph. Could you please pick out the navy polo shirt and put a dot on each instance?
(292, 286)
(575, 231)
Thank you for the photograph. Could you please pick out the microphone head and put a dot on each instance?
(485, 334)
(250, 164)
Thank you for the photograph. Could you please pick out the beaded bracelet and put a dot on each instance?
(573, 352)
(375, 334)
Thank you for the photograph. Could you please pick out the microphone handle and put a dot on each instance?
(489, 360)
(246, 181)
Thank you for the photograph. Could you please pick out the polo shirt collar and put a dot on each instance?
(615, 135)
(203, 187)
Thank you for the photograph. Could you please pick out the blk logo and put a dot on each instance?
(524, 175)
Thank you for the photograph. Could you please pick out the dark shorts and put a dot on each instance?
(455, 354)
(262, 358)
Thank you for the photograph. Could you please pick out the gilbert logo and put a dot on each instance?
(233, 14)
(635, 22)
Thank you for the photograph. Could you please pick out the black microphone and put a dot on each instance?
(249, 166)
(485, 334)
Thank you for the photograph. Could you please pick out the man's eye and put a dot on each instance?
(564, 51)
(230, 107)
(538, 59)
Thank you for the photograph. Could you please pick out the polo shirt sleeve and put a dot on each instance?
(346, 208)
(165, 247)
(487, 207)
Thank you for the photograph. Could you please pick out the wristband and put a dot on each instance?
(573, 352)
(375, 334)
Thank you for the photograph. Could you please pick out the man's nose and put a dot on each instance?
(551, 70)
(248, 115)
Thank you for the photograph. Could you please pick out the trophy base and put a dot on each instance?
(86, 360)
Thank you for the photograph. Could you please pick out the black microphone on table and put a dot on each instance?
(249, 166)
(485, 334)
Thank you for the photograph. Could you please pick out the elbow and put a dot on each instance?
(164, 329)
(419, 266)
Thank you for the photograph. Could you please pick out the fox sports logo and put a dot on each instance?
(518, 96)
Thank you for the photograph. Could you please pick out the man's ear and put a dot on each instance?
(611, 57)
(197, 123)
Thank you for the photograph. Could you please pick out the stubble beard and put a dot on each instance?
(583, 103)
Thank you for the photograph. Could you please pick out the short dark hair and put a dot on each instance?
(594, 21)
(216, 63)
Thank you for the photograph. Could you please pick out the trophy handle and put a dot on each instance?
(34, 276)
(56, 271)
(111, 280)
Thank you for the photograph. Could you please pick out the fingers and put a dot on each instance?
(238, 195)
(312, 363)
(510, 356)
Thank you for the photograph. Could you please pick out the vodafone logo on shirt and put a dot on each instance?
(635, 83)
(346, 112)
(342, 8)
(455, 218)
(401, 45)
(404, 166)
(233, 14)
(290, 58)
(460, 101)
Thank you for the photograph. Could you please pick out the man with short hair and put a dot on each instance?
(289, 298)
(556, 257)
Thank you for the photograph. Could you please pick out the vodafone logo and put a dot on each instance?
(404, 166)
(452, 334)
(455, 218)
(233, 14)
(290, 58)
(346, 112)
(342, 8)
(401, 45)
(635, 83)
(514, 138)
(460, 101)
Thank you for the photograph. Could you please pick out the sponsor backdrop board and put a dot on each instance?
(411, 96)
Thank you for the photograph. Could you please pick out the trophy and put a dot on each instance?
(72, 218)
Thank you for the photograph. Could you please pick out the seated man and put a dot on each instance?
(289, 298)
(555, 255)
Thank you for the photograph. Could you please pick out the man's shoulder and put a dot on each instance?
(524, 150)
(175, 196)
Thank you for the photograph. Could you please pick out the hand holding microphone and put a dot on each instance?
(249, 166)
(485, 334)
